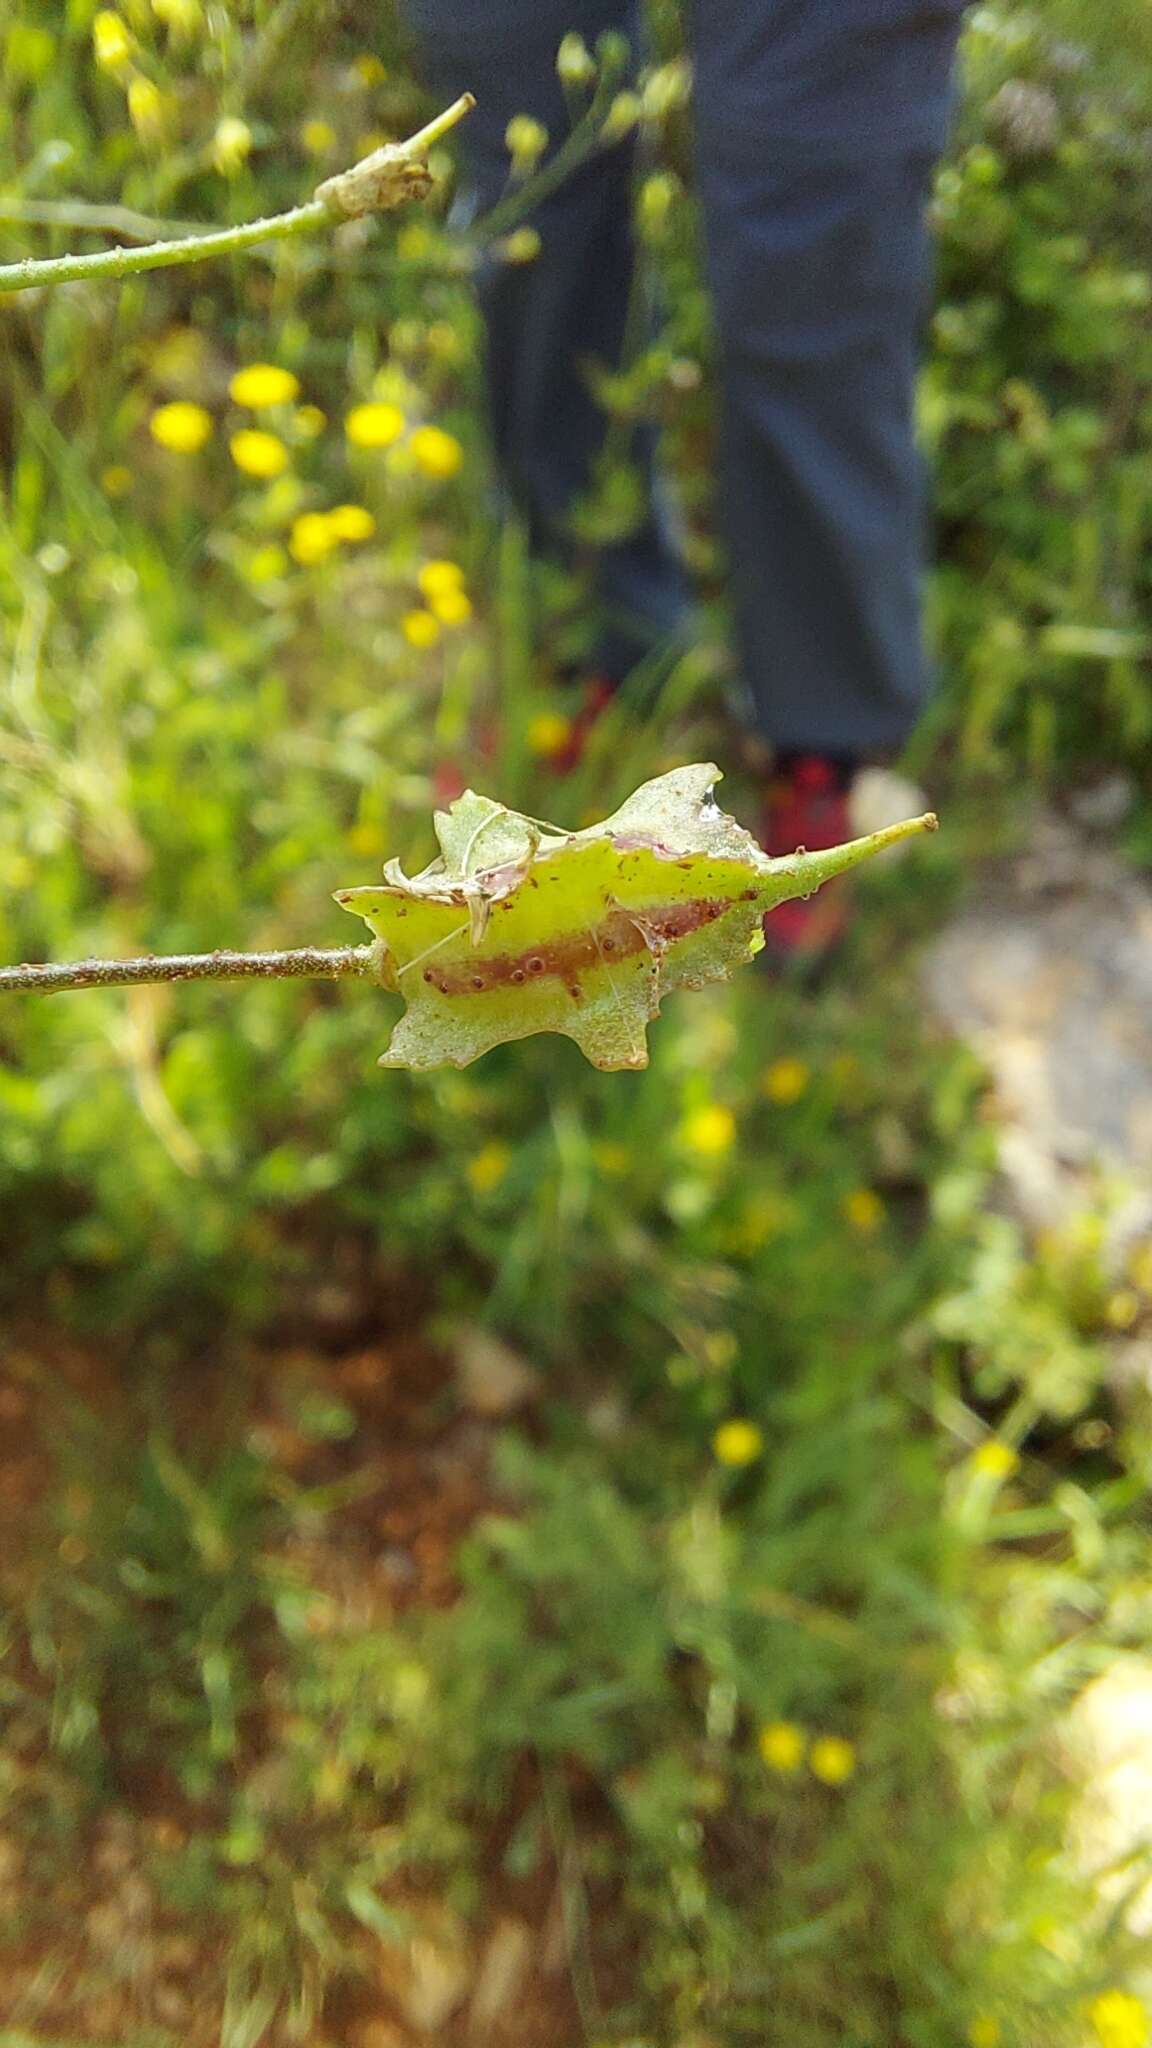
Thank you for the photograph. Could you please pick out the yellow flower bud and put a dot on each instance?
(318, 137)
(710, 1130)
(522, 246)
(526, 140)
(111, 41)
(231, 145)
(832, 1759)
(785, 1081)
(781, 1746)
(148, 109)
(488, 1167)
(622, 116)
(995, 1459)
(738, 1443)
(864, 1211)
(575, 64)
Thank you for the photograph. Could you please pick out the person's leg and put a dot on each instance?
(818, 125)
(548, 319)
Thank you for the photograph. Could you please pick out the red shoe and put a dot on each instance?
(806, 809)
(594, 698)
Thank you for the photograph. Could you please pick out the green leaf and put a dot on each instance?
(521, 927)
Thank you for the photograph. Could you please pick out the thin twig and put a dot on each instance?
(108, 220)
(325, 963)
(385, 179)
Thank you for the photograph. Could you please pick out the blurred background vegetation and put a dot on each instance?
(527, 1555)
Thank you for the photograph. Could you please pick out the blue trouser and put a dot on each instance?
(818, 125)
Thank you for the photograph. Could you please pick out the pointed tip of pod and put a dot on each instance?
(801, 874)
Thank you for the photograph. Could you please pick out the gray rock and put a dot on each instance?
(1048, 974)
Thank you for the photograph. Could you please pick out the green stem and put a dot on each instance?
(116, 263)
(583, 141)
(377, 182)
(324, 963)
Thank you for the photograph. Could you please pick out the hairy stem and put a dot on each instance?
(325, 963)
(399, 163)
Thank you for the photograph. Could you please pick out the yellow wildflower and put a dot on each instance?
(181, 426)
(781, 1746)
(351, 522)
(111, 40)
(231, 145)
(420, 629)
(265, 564)
(785, 1081)
(984, 2031)
(548, 734)
(259, 384)
(311, 538)
(374, 425)
(710, 1130)
(257, 453)
(318, 137)
(451, 607)
(487, 1168)
(116, 480)
(368, 143)
(1119, 2020)
(832, 1759)
(611, 1158)
(437, 577)
(436, 453)
(864, 1211)
(147, 109)
(995, 1459)
(368, 69)
(738, 1442)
